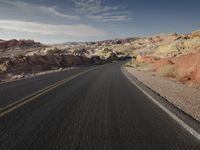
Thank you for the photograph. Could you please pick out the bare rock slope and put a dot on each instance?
(175, 57)
(19, 58)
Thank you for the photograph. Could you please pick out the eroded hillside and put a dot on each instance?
(176, 57)
(169, 55)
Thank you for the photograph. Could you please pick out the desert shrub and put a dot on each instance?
(168, 71)
(141, 66)
(167, 48)
(128, 64)
(106, 50)
(191, 42)
(3, 67)
(131, 63)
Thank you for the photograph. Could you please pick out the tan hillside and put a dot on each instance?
(175, 56)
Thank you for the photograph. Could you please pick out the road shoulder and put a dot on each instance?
(183, 118)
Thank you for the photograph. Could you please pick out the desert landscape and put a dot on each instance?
(99, 75)
(22, 58)
(172, 56)
(165, 61)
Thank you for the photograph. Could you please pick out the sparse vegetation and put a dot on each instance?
(148, 53)
(168, 71)
(3, 68)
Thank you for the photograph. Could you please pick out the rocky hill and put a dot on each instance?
(174, 56)
(12, 48)
(170, 55)
(20, 58)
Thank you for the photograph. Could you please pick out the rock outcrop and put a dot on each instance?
(13, 48)
(19, 58)
(23, 65)
(172, 56)
(19, 43)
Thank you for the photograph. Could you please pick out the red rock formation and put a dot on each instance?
(188, 67)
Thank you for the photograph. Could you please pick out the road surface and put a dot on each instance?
(92, 108)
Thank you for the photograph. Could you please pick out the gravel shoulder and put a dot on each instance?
(184, 97)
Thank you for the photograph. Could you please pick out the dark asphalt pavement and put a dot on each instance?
(99, 110)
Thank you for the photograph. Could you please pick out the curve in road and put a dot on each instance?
(99, 110)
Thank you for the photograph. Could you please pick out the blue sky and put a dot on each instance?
(57, 21)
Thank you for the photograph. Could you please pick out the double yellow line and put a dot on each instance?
(17, 104)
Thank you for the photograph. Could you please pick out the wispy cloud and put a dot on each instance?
(110, 16)
(93, 9)
(78, 30)
(35, 8)
(99, 10)
(56, 13)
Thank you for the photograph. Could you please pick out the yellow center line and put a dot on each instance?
(17, 104)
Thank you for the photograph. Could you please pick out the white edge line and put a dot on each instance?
(172, 115)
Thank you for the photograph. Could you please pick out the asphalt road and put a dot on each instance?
(97, 109)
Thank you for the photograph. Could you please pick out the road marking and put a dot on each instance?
(17, 104)
(172, 115)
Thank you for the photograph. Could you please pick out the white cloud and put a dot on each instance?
(93, 9)
(108, 18)
(99, 10)
(78, 30)
(56, 13)
(35, 8)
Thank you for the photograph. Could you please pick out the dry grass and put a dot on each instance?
(191, 42)
(168, 71)
(3, 68)
(167, 48)
(139, 66)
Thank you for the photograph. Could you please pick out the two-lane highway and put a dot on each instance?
(91, 108)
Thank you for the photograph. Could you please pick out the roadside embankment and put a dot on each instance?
(182, 96)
